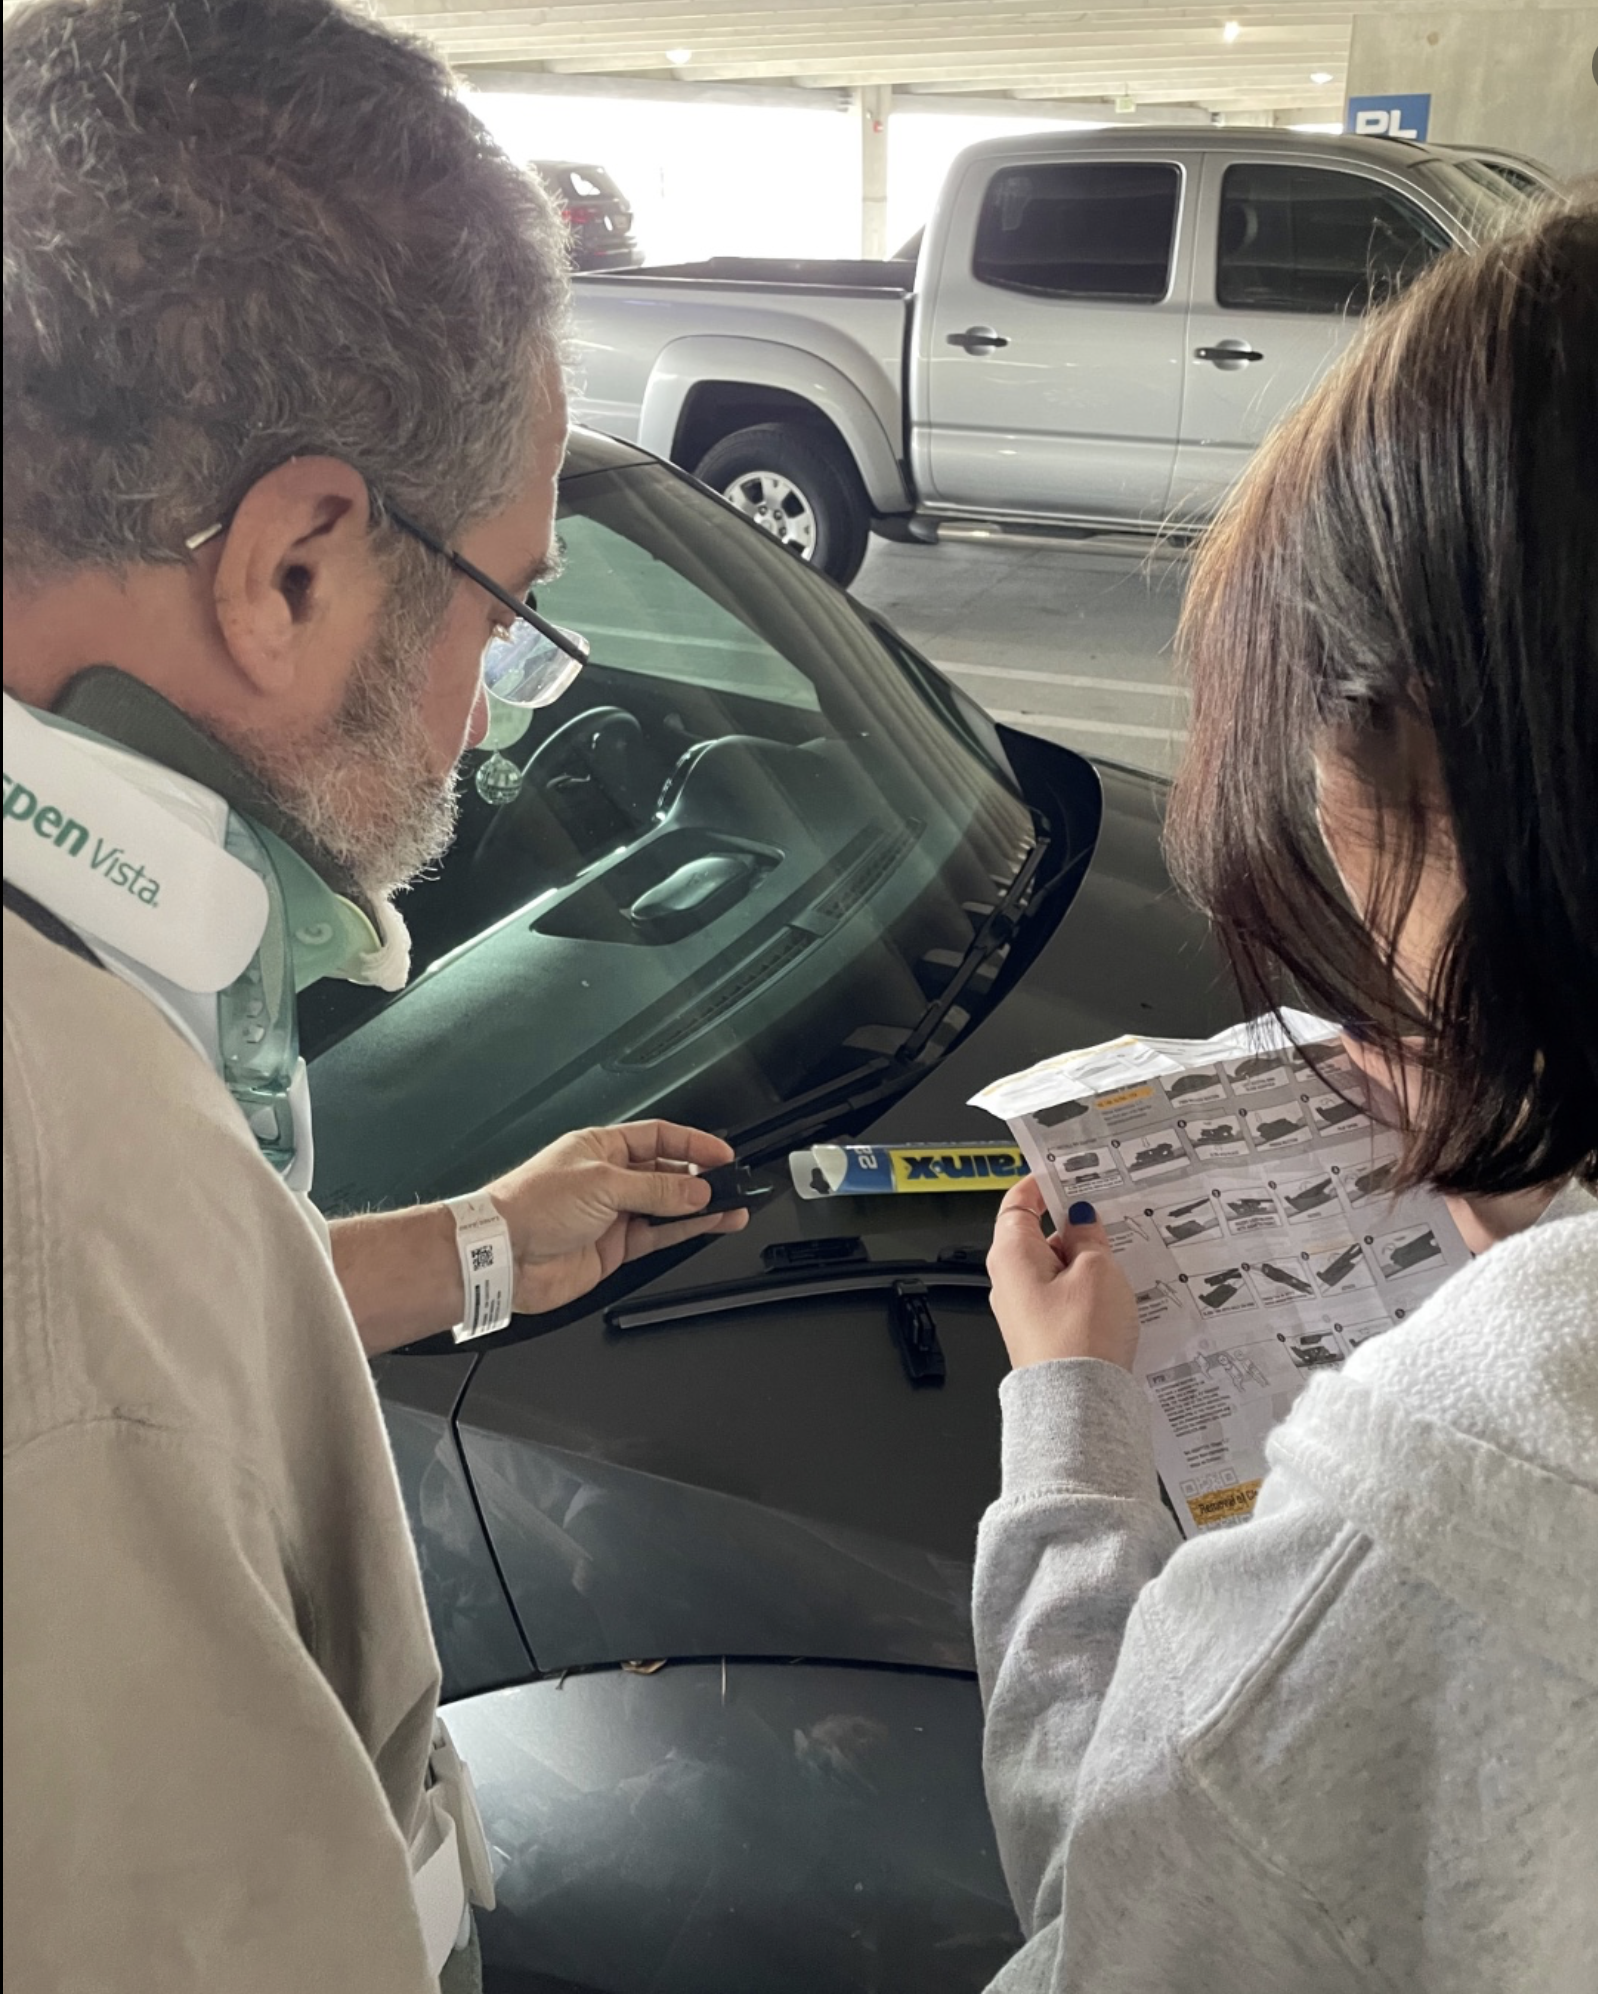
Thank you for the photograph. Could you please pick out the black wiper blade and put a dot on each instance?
(960, 1268)
(905, 1286)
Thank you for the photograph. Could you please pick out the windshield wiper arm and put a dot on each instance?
(879, 1079)
(996, 931)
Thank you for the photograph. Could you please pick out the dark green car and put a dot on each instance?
(767, 871)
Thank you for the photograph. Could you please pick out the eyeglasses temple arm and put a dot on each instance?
(485, 582)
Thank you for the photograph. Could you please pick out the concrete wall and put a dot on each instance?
(1519, 77)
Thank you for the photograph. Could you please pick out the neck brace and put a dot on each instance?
(206, 912)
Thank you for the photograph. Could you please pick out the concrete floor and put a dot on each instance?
(1071, 639)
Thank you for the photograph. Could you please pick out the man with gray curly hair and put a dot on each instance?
(283, 418)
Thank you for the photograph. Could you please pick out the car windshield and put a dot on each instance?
(1483, 202)
(747, 850)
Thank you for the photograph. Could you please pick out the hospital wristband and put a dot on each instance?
(488, 1266)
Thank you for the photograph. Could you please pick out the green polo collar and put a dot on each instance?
(331, 930)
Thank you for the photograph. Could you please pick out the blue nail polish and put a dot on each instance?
(1081, 1213)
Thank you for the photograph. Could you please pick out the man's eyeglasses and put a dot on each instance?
(530, 662)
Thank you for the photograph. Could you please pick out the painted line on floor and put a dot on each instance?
(1080, 680)
(1058, 725)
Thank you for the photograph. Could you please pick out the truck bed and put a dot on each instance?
(769, 273)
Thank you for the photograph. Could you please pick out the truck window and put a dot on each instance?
(1308, 239)
(1079, 231)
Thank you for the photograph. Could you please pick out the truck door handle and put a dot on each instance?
(978, 339)
(1228, 354)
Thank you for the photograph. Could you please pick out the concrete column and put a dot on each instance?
(874, 100)
(1521, 77)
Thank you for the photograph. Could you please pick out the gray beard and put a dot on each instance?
(363, 791)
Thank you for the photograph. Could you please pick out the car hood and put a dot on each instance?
(765, 1479)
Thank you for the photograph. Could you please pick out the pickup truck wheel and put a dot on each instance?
(798, 487)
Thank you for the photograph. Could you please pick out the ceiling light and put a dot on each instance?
(1125, 105)
(679, 58)
(1231, 31)
(1320, 76)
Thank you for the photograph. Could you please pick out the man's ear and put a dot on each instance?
(297, 591)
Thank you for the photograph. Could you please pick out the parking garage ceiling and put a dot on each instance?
(1241, 57)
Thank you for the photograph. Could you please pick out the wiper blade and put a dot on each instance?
(960, 1268)
(906, 1287)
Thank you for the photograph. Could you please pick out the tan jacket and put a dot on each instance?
(219, 1680)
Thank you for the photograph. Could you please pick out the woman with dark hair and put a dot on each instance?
(1354, 1743)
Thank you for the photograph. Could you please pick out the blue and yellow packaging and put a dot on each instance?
(862, 1169)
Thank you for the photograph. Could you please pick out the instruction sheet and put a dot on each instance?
(1247, 1196)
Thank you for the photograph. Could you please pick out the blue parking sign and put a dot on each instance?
(1390, 117)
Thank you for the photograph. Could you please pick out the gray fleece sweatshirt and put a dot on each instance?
(1352, 1744)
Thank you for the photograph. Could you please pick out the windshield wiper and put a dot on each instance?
(960, 1267)
(877, 1080)
(828, 1270)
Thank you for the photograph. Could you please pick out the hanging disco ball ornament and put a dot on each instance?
(499, 780)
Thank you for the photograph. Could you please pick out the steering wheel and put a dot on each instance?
(602, 752)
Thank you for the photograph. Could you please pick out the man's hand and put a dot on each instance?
(1058, 1297)
(581, 1207)
(576, 1211)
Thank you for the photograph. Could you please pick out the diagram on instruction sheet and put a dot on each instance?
(1247, 1192)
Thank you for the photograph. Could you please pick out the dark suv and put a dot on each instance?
(595, 211)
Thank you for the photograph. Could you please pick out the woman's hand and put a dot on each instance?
(1058, 1297)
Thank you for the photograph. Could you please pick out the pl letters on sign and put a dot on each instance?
(1390, 117)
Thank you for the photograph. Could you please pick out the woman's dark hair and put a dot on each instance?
(1406, 583)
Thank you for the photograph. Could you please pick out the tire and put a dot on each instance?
(800, 487)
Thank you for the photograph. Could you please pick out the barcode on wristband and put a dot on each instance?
(487, 1265)
(486, 1303)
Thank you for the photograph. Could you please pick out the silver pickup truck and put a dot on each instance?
(1097, 332)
